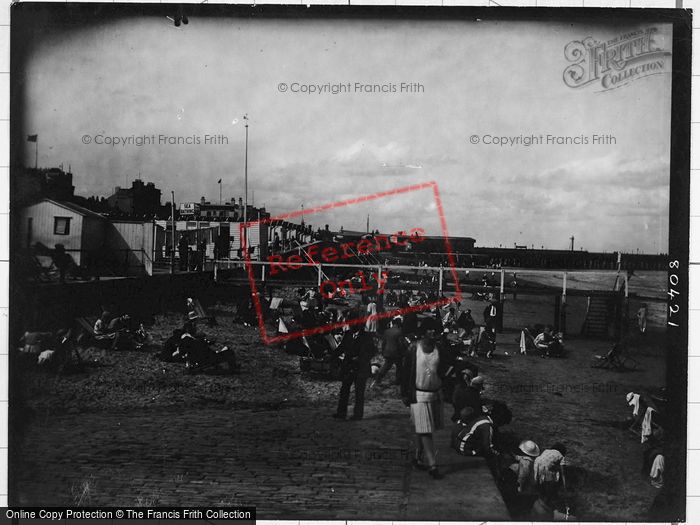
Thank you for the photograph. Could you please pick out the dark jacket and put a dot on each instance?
(359, 350)
(490, 315)
(410, 323)
(408, 372)
(394, 342)
(466, 321)
(466, 396)
(432, 322)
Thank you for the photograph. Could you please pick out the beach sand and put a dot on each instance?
(140, 430)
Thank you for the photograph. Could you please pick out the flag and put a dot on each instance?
(219, 181)
(32, 138)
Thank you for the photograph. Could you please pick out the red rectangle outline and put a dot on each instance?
(361, 320)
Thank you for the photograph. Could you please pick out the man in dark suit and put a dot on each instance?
(491, 315)
(358, 347)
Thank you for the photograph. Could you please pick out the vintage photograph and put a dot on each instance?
(334, 263)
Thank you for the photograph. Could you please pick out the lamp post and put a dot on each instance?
(172, 232)
(245, 203)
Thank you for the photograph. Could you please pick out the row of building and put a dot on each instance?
(131, 232)
(141, 200)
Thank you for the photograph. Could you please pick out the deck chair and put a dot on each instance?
(636, 421)
(277, 303)
(617, 359)
(112, 340)
(322, 358)
(43, 268)
(196, 312)
(87, 334)
(527, 342)
(282, 327)
(651, 414)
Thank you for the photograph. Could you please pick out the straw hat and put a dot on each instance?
(529, 448)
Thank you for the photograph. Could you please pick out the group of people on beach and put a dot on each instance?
(59, 348)
(547, 342)
(429, 371)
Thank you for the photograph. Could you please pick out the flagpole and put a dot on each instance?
(219, 192)
(36, 152)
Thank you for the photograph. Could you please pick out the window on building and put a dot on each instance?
(61, 225)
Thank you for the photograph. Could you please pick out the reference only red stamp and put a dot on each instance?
(351, 266)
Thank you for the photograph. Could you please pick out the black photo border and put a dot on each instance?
(671, 502)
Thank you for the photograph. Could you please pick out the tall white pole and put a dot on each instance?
(563, 289)
(172, 247)
(245, 203)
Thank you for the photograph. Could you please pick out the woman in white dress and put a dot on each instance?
(421, 390)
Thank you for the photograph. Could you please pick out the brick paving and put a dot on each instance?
(290, 463)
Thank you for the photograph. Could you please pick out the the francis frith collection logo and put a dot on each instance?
(617, 62)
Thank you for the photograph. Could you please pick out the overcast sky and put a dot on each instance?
(142, 76)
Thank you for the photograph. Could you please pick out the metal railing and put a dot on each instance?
(441, 270)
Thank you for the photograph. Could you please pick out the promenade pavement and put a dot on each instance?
(290, 463)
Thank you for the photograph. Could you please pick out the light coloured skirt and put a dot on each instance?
(427, 416)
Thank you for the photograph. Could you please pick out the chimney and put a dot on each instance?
(202, 201)
(116, 189)
(240, 201)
